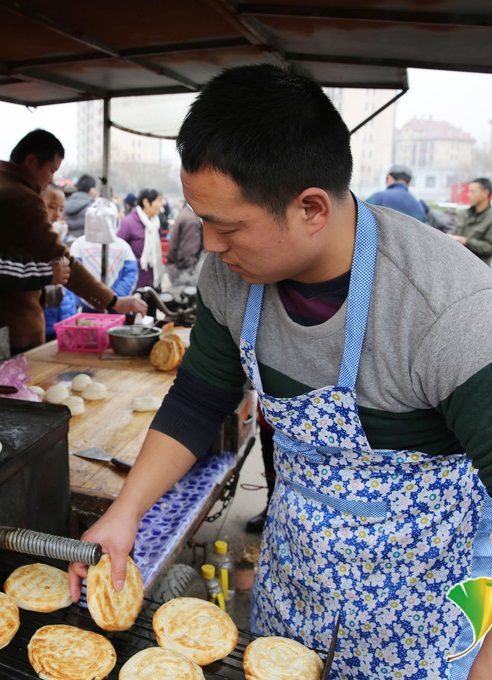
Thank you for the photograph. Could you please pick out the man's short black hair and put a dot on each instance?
(273, 132)
(485, 183)
(44, 145)
(85, 183)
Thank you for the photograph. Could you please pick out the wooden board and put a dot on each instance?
(110, 424)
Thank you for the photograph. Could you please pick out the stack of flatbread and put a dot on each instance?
(279, 658)
(39, 587)
(9, 619)
(195, 628)
(168, 351)
(61, 652)
(114, 609)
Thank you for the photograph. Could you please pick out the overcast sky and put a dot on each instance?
(463, 99)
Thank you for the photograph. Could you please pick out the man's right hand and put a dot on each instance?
(116, 535)
(61, 271)
(162, 461)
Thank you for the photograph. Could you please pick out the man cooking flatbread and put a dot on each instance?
(373, 365)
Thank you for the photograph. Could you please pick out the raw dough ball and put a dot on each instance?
(95, 391)
(146, 403)
(80, 381)
(75, 404)
(56, 394)
(39, 390)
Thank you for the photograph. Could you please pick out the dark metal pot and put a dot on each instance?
(133, 341)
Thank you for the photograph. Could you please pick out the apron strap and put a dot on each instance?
(252, 313)
(359, 295)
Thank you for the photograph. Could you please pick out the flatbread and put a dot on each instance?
(156, 663)
(114, 609)
(61, 652)
(279, 658)
(9, 619)
(39, 587)
(196, 628)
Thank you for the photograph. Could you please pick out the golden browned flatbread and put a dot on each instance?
(39, 587)
(156, 663)
(114, 609)
(279, 658)
(9, 619)
(61, 652)
(196, 628)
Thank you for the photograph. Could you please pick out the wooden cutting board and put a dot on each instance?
(110, 423)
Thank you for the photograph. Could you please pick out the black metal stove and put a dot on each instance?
(34, 474)
(177, 304)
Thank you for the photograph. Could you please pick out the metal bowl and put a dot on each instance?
(133, 341)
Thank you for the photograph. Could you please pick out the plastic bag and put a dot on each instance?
(101, 221)
(14, 372)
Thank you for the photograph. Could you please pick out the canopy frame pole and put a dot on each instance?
(105, 185)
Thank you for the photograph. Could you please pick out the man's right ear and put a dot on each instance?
(30, 162)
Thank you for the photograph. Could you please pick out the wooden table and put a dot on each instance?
(110, 423)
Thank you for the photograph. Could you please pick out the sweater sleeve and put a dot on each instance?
(467, 413)
(193, 411)
(453, 373)
(84, 285)
(481, 246)
(20, 274)
(127, 278)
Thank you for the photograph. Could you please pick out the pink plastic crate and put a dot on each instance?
(86, 332)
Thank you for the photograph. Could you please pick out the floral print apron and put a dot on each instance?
(378, 536)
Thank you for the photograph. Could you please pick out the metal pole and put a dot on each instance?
(105, 186)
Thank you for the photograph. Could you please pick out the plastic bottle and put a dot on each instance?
(224, 569)
(214, 588)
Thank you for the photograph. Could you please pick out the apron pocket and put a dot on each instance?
(369, 509)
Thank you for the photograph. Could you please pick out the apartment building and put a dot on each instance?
(125, 147)
(439, 153)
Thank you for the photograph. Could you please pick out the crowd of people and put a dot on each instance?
(51, 265)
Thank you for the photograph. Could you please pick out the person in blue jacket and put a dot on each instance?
(396, 195)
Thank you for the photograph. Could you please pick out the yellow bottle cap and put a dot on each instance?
(208, 571)
(220, 547)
